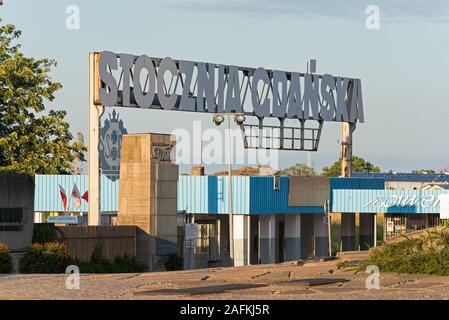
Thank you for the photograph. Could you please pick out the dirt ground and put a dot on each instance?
(294, 280)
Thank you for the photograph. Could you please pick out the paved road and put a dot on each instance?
(312, 280)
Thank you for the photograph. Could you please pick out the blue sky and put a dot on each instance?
(404, 66)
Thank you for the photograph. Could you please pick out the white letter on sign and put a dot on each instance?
(187, 102)
(294, 97)
(126, 62)
(311, 96)
(144, 100)
(260, 109)
(327, 89)
(108, 95)
(279, 97)
(233, 103)
(167, 100)
(206, 87)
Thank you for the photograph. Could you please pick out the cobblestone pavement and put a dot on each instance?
(295, 280)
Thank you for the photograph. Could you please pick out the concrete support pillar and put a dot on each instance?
(267, 238)
(95, 112)
(366, 233)
(346, 148)
(321, 238)
(240, 225)
(347, 219)
(292, 237)
(348, 231)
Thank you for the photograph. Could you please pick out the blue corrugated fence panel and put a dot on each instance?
(388, 201)
(240, 194)
(355, 183)
(48, 199)
(209, 194)
(193, 194)
(109, 194)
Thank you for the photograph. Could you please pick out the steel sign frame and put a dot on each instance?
(180, 85)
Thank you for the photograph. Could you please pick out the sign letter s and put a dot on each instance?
(108, 92)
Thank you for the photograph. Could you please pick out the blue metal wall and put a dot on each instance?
(357, 183)
(357, 200)
(193, 196)
(209, 194)
(251, 195)
(48, 199)
(354, 183)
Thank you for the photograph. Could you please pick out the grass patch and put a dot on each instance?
(427, 254)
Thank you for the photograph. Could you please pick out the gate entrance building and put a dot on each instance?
(270, 224)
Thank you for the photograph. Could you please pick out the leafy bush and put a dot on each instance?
(428, 254)
(5, 259)
(44, 232)
(50, 257)
(53, 257)
(127, 264)
(99, 264)
(173, 263)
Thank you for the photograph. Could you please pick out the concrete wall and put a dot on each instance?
(114, 240)
(148, 193)
(17, 191)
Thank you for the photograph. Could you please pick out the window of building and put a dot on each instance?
(276, 183)
(12, 219)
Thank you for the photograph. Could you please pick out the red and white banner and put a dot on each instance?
(76, 196)
(85, 196)
(63, 197)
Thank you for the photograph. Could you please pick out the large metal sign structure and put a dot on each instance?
(125, 80)
(169, 84)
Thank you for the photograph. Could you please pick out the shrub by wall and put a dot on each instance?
(50, 257)
(44, 232)
(53, 257)
(5, 259)
(99, 264)
(173, 263)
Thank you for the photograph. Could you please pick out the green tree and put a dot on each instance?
(31, 139)
(424, 171)
(299, 169)
(358, 165)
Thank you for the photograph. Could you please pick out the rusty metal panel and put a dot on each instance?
(308, 191)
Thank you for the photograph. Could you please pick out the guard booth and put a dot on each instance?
(201, 242)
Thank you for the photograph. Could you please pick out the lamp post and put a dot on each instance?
(239, 119)
(230, 204)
